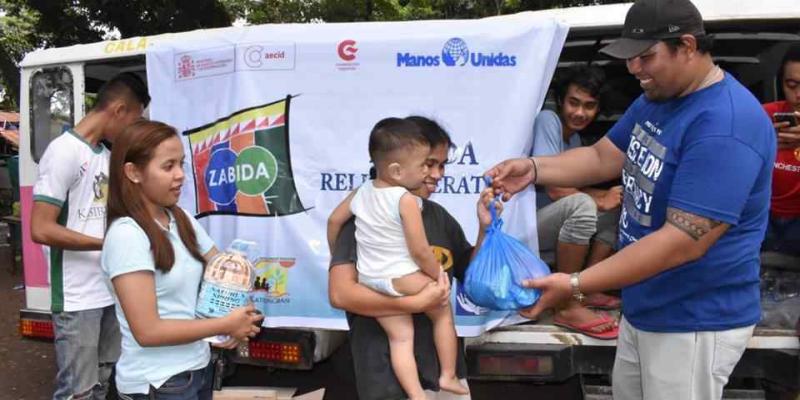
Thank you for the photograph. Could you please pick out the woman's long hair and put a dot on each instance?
(137, 145)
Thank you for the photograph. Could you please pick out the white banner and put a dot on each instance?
(275, 120)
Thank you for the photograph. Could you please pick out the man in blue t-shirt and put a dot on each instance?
(695, 153)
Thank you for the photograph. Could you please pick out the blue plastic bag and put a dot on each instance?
(494, 277)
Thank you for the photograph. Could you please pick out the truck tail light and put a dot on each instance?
(274, 351)
(278, 347)
(515, 365)
(36, 325)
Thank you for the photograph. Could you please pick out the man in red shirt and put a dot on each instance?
(783, 232)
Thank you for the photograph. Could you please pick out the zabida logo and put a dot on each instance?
(241, 164)
(272, 279)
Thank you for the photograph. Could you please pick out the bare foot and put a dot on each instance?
(452, 385)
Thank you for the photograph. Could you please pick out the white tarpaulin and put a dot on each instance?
(275, 121)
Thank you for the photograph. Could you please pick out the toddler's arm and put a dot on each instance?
(416, 240)
(338, 217)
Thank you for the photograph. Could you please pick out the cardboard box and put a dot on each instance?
(245, 394)
(265, 393)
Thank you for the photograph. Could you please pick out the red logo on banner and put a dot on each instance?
(347, 50)
(186, 67)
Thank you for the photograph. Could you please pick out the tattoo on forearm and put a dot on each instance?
(694, 225)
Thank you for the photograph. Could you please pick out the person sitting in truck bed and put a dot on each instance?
(783, 231)
(575, 222)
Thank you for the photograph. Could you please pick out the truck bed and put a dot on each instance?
(544, 332)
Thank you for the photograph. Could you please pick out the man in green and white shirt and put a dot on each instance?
(69, 214)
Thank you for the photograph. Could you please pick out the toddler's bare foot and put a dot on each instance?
(452, 385)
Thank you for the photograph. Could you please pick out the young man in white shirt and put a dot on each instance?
(69, 216)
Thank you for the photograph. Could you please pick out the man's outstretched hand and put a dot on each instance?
(555, 289)
(511, 176)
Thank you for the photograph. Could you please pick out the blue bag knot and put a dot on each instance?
(497, 223)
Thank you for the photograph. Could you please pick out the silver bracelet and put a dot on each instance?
(575, 283)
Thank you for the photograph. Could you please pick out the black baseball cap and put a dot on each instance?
(649, 21)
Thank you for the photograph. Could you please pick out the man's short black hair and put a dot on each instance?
(126, 84)
(436, 135)
(792, 55)
(705, 43)
(391, 134)
(588, 78)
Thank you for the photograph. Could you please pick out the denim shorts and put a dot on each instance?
(87, 345)
(187, 385)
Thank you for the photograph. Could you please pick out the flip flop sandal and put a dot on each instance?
(609, 333)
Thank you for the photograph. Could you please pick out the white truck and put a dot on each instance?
(519, 360)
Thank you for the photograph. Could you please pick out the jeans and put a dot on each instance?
(783, 235)
(87, 345)
(187, 385)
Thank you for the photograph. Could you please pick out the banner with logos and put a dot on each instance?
(275, 121)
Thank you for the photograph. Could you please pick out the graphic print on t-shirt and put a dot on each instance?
(97, 210)
(444, 256)
(644, 162)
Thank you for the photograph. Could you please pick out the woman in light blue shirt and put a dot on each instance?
(153, 255)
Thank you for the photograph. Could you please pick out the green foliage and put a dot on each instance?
(17, 37)
(26, 25)
(150, 17)
(281, 11)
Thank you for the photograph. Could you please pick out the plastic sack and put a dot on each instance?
(780, 299)
(227, 283)
(494, 277)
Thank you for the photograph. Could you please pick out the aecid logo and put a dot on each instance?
(455, 52)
